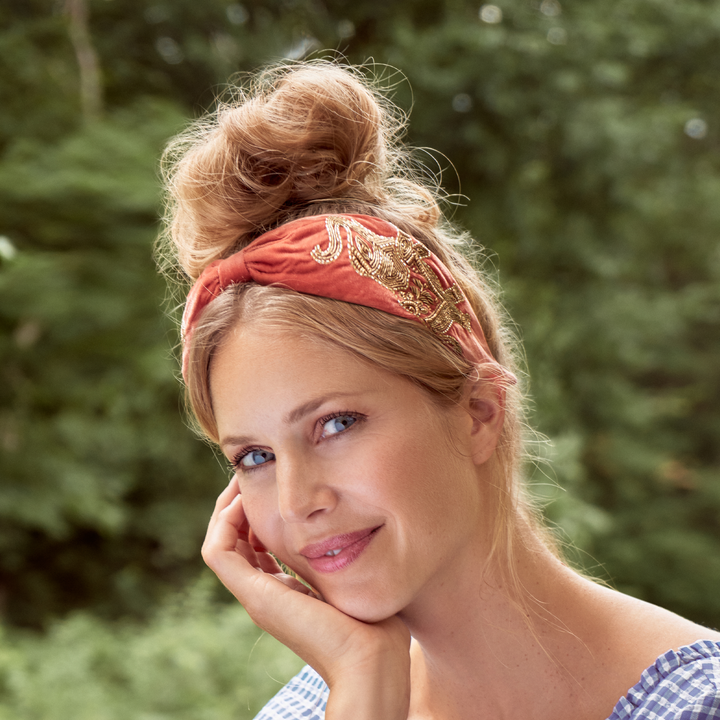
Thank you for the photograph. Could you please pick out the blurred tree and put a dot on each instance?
(585, 136)
(193, 660)
(100, 479)
(102, 486)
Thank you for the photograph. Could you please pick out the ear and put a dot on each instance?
(485, 403)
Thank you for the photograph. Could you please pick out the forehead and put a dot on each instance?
(257, 367)
(251, 351)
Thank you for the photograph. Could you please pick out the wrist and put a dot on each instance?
(375, 685)
(379, 696)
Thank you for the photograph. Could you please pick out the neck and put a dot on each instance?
(487, 647)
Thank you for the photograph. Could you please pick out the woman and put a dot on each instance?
(357, 374)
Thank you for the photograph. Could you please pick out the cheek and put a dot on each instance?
(432, 482)
(259, 507)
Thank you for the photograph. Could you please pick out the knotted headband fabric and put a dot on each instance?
(357, 259)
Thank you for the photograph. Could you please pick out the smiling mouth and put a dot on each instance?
(340, 551)
(335, 545)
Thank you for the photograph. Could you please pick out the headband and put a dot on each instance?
(357, 259)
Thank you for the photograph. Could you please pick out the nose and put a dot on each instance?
(302, 490)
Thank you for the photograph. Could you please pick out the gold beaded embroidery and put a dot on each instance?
(390, 261)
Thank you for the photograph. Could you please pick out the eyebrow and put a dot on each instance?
(291, 418)
(310, 406)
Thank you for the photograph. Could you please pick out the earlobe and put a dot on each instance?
(487, 411)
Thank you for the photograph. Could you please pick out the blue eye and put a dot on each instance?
(338, 424)
(256, 457)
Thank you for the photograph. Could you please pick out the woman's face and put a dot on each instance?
(348, 473)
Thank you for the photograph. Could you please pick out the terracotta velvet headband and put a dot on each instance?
(357, 259)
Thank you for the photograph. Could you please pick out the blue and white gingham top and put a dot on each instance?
(680, 685)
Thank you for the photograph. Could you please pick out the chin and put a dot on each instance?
(363, 607)
(361, 604)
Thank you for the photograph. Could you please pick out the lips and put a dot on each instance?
(339, 551)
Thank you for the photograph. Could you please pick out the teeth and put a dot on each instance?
(333, 553)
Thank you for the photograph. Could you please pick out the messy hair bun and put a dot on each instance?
(299, 141)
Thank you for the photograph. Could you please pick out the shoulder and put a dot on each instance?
(682, 684)
(304, 697)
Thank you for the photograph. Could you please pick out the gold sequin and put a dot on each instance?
(391, 262)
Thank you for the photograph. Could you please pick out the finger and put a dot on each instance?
(229, 549)
(228, 494)
(234, 514)
(294, 584)
(255, 541)
(224, 499)
(291, 579)
(243, 548)
(228, 534)
(267, 563)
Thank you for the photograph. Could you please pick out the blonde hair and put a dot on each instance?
(315, 138)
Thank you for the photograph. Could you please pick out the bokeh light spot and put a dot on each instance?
(557, 36)
(462, 103)
(169, 50)
(696, 128)
(551, 8)
(346, 28)
(491, 14)
(237, 14)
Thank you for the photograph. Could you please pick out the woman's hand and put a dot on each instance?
(366, 666)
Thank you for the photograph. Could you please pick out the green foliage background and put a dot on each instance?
(581, 141)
